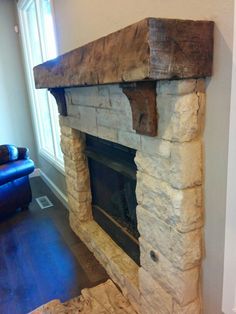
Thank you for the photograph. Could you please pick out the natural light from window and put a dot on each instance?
(38, 38)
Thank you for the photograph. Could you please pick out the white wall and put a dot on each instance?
(78, 22)
(229, 289)
(15, 121)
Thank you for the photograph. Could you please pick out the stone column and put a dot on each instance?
(170, 208)
(77, 175)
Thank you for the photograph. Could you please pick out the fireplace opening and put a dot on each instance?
(113, 183)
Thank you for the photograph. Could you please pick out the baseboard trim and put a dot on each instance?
(54, 188)
(35, 173)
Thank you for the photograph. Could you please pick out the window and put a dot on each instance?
(38, 39)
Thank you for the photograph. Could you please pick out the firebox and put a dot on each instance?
(113, 183)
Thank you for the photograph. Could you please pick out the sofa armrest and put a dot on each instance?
(23, 153)
(8, 153)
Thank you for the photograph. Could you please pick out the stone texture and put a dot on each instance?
(146, 307)
(182, 285)
(153, 294)
(169, 191)
(81, 210)
(186, 165)
(108, 134)
(77, 174)
(80, 183)
(182, 170)
(101, 299)
(114, 119)
(155, 146)
(183, 250)
(74, 122)
(181, 209)
(176, 87)
(178, 117)
(191, 308)
(119, 266)
(129, 139)
(85, 117)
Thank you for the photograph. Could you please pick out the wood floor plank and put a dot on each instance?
(41, 258)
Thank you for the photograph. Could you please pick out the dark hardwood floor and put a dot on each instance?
(41, 258)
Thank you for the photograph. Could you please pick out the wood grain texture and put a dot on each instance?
(41, 258)
(151, 49)
(59, 95)
(142, 97)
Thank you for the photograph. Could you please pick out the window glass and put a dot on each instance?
(33, 35)
(37, 30)
(51, 51)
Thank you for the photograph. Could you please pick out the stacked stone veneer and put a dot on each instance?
(169, 191)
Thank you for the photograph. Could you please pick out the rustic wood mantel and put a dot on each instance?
(152, 49)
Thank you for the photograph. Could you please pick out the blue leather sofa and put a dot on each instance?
(15, 167)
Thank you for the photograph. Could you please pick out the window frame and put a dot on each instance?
(22, 7)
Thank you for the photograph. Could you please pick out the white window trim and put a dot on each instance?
(22, 6)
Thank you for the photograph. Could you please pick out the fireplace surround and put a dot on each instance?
(142, 87)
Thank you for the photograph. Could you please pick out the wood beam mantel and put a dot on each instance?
(150, 50)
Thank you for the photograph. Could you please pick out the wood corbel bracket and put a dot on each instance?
(142, 97)
(59, 95)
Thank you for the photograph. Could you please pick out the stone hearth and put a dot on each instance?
(169, 156)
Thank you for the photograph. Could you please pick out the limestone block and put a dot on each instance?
(118, 100)
(184, 250)
(124, 272)
(182, 285)
(156, 166)
(191, 308)
(132, 291)
(81, 197)
(81, 183)
(120, 267)
(154, 295)
(129, 139)
(99, 242)
(66, 131)
(74, 142)
(186, 165)
(201, 111)
(86, 117)
(79, 123)
(82, 211)
(104, 298)
(181, 209)
(72, 167)
(79, 96)
(155, 146)
(106, 133)
(178, 117)
(114, 119)
(176, 87)
(182, 170)
(146, 308)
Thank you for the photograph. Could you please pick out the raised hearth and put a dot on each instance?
(147, 93)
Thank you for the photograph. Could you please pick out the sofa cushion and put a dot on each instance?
(15, 169)
(23, 153)
(8, 153)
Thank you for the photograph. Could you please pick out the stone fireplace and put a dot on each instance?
(142, 87)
